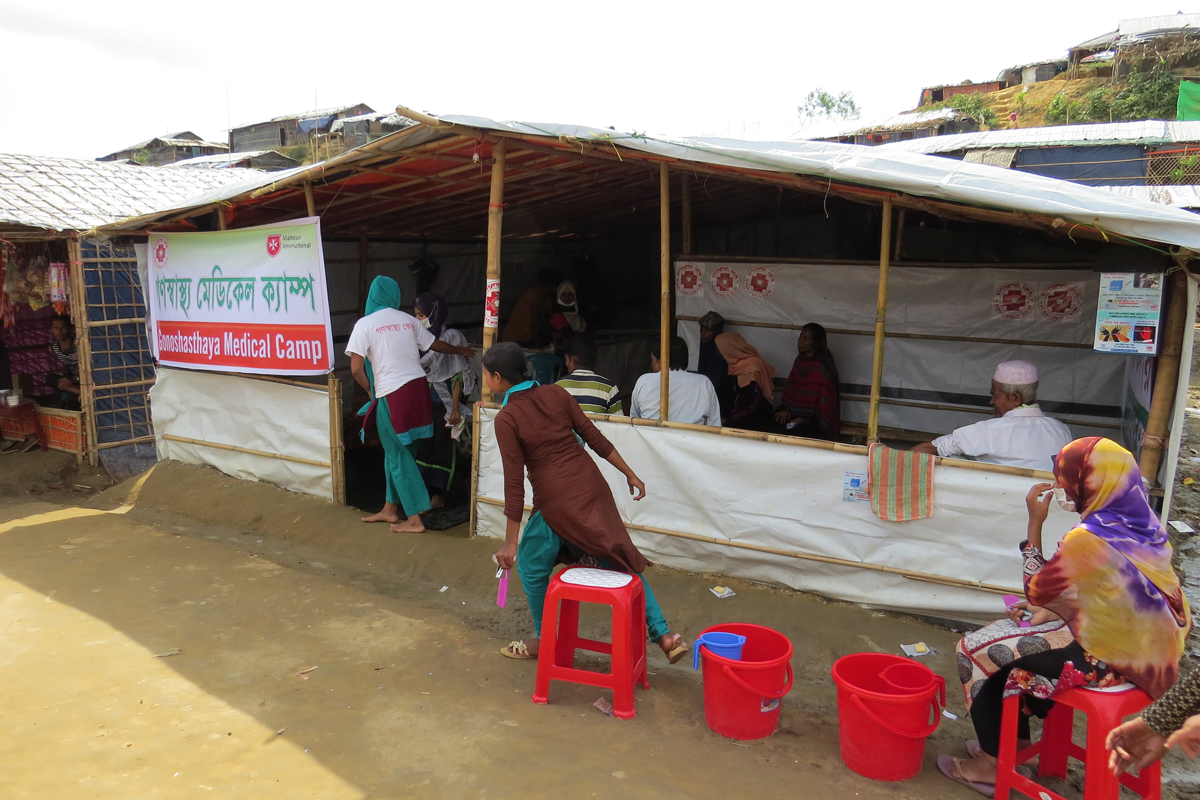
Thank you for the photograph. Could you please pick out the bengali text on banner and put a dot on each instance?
(250, 300)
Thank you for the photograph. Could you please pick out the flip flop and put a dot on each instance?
(948, 765)
(517, 650)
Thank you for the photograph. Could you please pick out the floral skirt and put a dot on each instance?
(983, 653)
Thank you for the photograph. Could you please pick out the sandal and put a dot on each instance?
(677, 652)
(948, 765)
(1024, 770)
(517, 650)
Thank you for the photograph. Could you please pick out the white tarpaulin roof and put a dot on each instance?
(878, 167)
(68, 194)
(1147, 131)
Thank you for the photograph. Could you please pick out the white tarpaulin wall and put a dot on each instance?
(789, 497)
(936, 301)
(243, 412)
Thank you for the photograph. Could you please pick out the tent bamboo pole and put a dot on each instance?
(221, 218)
(337, 451)
(309, 201)
(897, 335)
(83, 343)
(476, 434)
(495, 220)
(664, 222)
(170, 437)
(899, 235)
(841, 562)
(105, 323)
(885, 242)
(1166, 377)
(135, 440)
(685, 204)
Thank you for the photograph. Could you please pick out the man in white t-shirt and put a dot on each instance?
(1020, 435)
(385, 358)
(691, 397)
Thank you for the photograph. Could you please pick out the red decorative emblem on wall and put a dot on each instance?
(689, 280)
(725, 281)
(160, 253)
(760, 282)
(273, 245)
(1012, 300)
(491, 306)
(1061, 302)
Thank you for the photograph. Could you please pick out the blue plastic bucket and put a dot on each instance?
(719, 643)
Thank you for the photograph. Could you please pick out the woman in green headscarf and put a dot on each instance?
(385, 357)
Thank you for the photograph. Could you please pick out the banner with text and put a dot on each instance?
(249, 300)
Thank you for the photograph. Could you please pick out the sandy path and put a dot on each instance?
(409, 700)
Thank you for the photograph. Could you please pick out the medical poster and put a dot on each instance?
(249, 300)
(1127, 312)
(854, 487)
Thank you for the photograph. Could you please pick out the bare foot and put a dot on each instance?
(521, 650)
(436, 501)
(389, 514)
(411, 525)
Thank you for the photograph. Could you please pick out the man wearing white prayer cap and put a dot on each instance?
(1019, 435)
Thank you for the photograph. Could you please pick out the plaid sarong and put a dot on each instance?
(900, 483)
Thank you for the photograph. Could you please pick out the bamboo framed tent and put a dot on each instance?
(57, 203)
(484, 191)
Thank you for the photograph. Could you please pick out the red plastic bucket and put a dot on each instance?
(882, 728)
(908, 678)
(741, 698)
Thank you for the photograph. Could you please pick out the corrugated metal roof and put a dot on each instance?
(69, 194)
(313, 114)
(385, 117)
(880, 167)
(216, 161)
(1153, 131)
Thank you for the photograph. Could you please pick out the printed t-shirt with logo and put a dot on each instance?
(393, 342)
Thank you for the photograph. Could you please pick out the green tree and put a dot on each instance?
(820, 103)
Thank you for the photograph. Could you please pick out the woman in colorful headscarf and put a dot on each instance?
(811, 404)
(1110, 581)
(750, 406)
(450, 380)
(575, 518)
(385, 348)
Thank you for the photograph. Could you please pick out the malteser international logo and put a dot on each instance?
(160, 253)
(274, 244)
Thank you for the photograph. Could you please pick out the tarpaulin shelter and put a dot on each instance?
(888, 250)
(50, 206)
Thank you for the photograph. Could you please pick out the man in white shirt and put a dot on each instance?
(392, 341)
(1020, 435)
(691, 396)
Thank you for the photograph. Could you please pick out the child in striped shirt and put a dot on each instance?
(594, 393)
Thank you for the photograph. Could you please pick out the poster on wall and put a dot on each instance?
(250, 300)
(1127, 312)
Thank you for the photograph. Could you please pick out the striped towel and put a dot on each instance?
(900, 483)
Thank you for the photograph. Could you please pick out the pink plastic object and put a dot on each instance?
(502, 590)
(1009, 599)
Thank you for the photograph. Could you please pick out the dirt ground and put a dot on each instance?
(410, 698)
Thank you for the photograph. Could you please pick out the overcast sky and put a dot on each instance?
(83, 79)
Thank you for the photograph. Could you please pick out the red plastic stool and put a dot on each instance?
(1105, 709)
(560, 634)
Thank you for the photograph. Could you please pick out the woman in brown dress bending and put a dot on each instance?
(575, 518)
